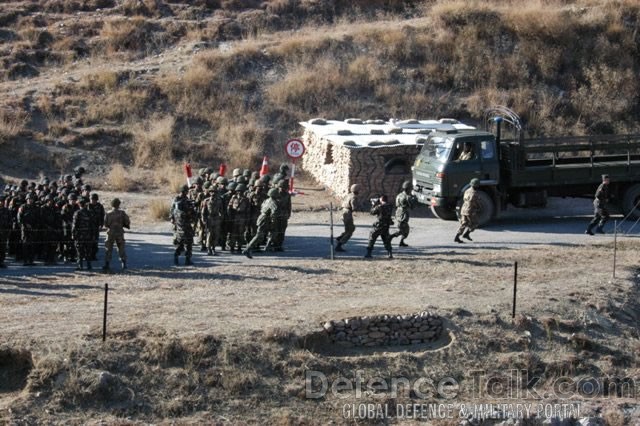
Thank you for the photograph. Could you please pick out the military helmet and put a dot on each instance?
(273, 193)
(475, 182)
(252, 182)
(246, 173)
(199, 180)
(231, 186)
(82, 201)
(266, 178)
(209, 171)
(207, 185)
(241, 179)
(86, 187)
(115, 202)
(185, 188)
(255, 175)
(222, 180)
(284, 168)
(284, 184)
(49, 197)
(94, 196)
(31, 196)
(24, 182)
(202, 171)
(241, 187)
(236, 172)
(68, 178)
(355, 188)
(73, 196)
(407, 185)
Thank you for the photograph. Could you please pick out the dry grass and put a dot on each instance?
(153, 142)
(12, 121)
(159, 209)
(119, 179)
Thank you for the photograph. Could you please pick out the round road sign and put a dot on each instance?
(294, 148)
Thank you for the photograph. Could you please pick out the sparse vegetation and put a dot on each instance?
(159, 209)
(118, 179)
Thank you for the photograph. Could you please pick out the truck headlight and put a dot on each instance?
(436, 188)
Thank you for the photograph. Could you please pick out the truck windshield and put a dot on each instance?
(439, 148)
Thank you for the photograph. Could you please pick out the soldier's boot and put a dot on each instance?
(466, 235)
(389, 254)
(203, 248)
(79, 266)
(175, 259)
(247, 253)
(123, 263)
(368, 255)
(339, 247)
(588, 231)
(403, 244)
(457, 239)
(106, 267)
(210, 252)
(599, 229)
(89, 267)
(188, 261)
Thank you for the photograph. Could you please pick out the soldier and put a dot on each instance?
(197, 196)
(238, 207)
(6, 222)
(405, 201)
(383, 210)
(82, 233)
(268, 211)
(211, 216)
(600, 213)
(348, 206)
(68, 251)
(115, 221)
(281, 220)
(282, 173)
(28, 219)
(182, 217)
(469, 212)
(257, 197)
(97, 209)
(52, 226)
(227, 219)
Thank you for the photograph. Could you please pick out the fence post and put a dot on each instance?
(104, 317)
(515, 288)
(331, 232)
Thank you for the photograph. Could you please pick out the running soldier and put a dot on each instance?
(348, 206)
(383, 210)
(81, 232)
(405, 202)
(115, 221)
(600, 214)
(469, 213)
(268, 212)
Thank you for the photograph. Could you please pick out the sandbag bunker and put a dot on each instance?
(375, 154)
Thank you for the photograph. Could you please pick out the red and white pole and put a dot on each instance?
(188, 172)
(222, 170)
(293, 174)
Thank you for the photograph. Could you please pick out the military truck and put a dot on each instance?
(522, 172)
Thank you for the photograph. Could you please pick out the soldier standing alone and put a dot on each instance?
(115, 221)
(469, 213)
(348, 206)
(383, 210)
(600, 214)
(405, 201)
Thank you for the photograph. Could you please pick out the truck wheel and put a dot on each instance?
(630, 201)
(444, 213)
(487, 209)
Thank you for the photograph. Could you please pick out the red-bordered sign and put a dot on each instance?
(294, 148)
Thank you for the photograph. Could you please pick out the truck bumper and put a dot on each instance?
(426, 197)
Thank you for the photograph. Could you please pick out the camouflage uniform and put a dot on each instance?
(97, 209)
(211, 216)
(405, 202)
(268, 212)
(239, 208)
(348, 206)
(281, 220)
(182, 217)
(257, 197)
(52, 229)
(6, 222)
(67, 249)
(600, 212)
(115, 221)
(381, 227)
(82, 234)
(29, 220)
(469, 213)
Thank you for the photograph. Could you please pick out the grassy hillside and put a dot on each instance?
(149, 83)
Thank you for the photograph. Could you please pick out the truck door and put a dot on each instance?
(490, 165)
(465, 164)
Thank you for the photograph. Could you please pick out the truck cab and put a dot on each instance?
(448, 160)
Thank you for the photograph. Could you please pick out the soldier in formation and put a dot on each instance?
(183, 217)
(469, 213)
(41, 221)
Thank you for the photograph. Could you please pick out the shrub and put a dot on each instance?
(153, 142)
(118, 179)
